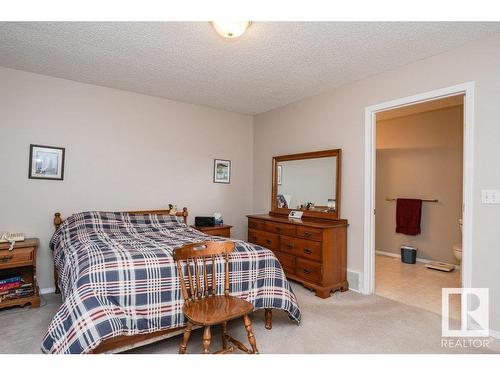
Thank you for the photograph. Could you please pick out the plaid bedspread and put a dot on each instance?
(118, 277)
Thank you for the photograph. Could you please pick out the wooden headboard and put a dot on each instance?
(58, 220)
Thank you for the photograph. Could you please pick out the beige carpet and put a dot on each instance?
(345, 323)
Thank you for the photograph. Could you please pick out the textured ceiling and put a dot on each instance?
(273, 64)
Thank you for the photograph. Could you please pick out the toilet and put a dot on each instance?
(457, 249)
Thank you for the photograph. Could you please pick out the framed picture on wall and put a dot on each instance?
(46, 162)
(222, 171)
(279, 174)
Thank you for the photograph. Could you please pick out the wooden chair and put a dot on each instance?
(202, 305)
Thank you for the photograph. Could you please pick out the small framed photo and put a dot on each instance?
(279, 175)
(222, 171)
(46, 162)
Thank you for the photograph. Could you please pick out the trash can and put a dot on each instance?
(408, 254)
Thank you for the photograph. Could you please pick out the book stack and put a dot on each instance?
(13, 286)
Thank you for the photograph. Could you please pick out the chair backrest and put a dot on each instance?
(200, 263)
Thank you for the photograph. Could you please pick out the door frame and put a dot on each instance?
(467, 89)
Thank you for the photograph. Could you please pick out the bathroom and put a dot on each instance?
(419, 167)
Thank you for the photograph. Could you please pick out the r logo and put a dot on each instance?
(478, 317)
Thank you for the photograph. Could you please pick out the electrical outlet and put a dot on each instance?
(490, 196)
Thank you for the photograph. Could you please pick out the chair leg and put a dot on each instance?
(185, 338)
(225, 342)
(207, 337)
(269, 318)
(251, 337)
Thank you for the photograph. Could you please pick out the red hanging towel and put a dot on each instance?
(408, 214)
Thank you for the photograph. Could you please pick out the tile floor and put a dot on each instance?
(415, 285)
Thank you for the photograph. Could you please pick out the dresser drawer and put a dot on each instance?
(302, 248)
(308, 270)
(309, 233)
(310, 251)
(268, 240)
(221, 232)
(287, 261)
(17, 257)
(256, 224)
(280, 228)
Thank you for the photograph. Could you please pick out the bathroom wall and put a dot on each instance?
(420, 156)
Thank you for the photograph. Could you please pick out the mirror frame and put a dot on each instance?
(307, 155)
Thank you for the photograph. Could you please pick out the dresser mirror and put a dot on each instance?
(309, 182)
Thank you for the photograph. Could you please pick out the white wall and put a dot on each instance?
(420, 156)
(124, 151)
(336, 119)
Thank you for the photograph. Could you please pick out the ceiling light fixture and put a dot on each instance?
(231, 30)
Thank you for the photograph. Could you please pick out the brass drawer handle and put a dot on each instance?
(307, 251)
(306, 271)
(290, 246)
(6, 258)
(307, 234)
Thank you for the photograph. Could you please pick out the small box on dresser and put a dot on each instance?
(311, 251)
(20, 261)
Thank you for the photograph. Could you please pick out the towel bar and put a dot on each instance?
(423, 200)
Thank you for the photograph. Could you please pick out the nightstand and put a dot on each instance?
(21, 261)
(221, 230)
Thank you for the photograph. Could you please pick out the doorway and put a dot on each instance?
(404, 105)
(419, 155)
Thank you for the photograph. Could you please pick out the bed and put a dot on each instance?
(120, 286)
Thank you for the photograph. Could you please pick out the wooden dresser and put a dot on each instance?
(222, 230)
(311, 251)
(21, 261)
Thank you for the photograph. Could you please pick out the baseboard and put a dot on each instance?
(47, 290)
(354, 278)
(419, 260)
